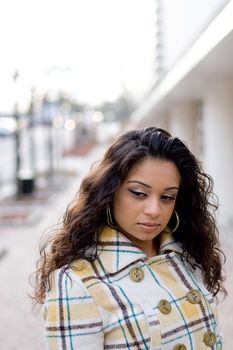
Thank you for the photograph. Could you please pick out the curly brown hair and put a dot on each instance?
(86, 215)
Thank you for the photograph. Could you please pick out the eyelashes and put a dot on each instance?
(140, 194)
(168, 198)
(137, 193)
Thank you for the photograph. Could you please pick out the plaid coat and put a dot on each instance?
(108, 304)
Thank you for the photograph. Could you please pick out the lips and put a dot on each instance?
(149, 226)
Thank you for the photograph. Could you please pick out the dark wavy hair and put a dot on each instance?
(86, 215)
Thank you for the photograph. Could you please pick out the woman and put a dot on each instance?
(136, 264)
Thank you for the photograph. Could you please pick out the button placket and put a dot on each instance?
(152, 323)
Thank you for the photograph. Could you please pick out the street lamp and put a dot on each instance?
(24, 181)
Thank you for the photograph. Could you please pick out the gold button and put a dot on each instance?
(179, 347)
(209, 338)
(136, 274)
(165, 306)
(194, 296)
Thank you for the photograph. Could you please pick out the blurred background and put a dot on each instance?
(73, 75)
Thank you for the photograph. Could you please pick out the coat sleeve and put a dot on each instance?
(72, 320)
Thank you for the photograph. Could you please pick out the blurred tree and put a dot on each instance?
(118, 110)
(64, 98)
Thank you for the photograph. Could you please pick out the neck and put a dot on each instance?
(152, 249)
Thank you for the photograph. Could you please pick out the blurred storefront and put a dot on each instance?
(193, 90)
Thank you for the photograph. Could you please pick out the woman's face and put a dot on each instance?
(145, 201)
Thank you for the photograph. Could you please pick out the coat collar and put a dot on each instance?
(116, 251)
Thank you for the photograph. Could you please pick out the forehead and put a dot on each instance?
(151, 170)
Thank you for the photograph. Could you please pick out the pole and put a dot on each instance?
(31, 129)
(17, 138)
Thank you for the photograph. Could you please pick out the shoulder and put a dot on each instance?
(71, 317)
(70, 278)
(65, 279)
(67, 287)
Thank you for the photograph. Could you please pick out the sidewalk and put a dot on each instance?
(20, 328)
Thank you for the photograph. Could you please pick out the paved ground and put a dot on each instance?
(21, 329)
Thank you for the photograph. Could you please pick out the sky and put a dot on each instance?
(93, 49)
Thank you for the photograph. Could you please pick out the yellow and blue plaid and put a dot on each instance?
(96, 306)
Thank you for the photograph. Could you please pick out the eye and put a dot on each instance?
(137, 193)
(168, 198)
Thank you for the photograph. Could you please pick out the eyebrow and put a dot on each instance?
(143, 184)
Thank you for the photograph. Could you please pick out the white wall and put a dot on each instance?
(183, 123)
(218, 143)
(183, 22)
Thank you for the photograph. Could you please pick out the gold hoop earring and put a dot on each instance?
(109, 217)
(177, 223)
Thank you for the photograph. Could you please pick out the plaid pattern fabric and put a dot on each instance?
(98, 306)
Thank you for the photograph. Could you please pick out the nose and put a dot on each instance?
(152, 207)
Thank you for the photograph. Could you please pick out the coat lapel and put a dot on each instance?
(169, 244)
(116, 251)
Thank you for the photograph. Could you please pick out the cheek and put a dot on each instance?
(124, 206)
(118, 204)
(168, 212)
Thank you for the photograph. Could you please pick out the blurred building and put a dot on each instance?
(192, 94)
